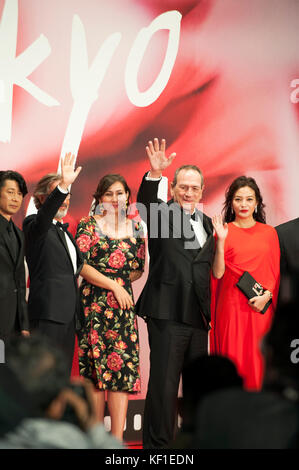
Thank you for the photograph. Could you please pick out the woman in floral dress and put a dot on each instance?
(108, 343)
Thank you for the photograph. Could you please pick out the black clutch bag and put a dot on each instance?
(251, 288)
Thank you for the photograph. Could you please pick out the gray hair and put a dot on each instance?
(187, 167)
(43, 187)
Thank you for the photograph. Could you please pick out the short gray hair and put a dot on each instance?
(187, 167)
(43, 187)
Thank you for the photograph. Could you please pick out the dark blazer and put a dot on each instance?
(178, 284)
(288, 234)
(13, 306)
(53, 293)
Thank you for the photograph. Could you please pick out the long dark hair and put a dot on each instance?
(104, 185)
(240, 182)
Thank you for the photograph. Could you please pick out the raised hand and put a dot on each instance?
(220, 228)
(68, 173)
(156, 154)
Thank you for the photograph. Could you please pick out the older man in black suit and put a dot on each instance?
(13, 306)
(176, 298)
(55, 263)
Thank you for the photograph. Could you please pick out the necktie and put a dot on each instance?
(14, 244)
(64, 227)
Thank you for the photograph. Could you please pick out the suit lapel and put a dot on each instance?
(19, 236)
(7, 241)
(78, 253)
(61, 236)
(209, 230)
(206, 223)
(5, 236)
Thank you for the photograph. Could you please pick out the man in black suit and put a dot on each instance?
(288, 234)
(13, 306)
(55, 262)
(175, 301)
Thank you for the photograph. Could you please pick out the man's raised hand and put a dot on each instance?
(68, 173)
(158, 160)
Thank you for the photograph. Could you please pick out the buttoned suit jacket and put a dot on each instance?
(178, 284)
(53, 293)
(13, 305)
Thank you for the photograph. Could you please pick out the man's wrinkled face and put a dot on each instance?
(188, 190)
(62, 211)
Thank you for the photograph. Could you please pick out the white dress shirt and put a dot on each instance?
(70, 244)
(199, 231)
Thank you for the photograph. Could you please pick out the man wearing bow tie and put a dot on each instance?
(175, 301)
(55, 262)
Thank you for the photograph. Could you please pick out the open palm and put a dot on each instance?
(220, 228)
(68, 173)
(156, 154)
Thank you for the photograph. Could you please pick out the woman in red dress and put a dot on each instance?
(243, 243)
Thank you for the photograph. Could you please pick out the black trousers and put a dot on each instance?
(61, 335)
(172, 345)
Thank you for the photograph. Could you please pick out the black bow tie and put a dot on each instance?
(63, 226)
(193, 216)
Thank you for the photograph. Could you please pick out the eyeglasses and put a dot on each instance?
(184, 189)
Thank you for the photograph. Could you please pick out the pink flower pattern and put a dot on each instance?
(108, 342)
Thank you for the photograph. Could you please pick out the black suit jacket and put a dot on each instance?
(178, 284)
(53, 291)
(13, 306)
(288, 234)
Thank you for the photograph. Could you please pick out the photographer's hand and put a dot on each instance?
(83, 409)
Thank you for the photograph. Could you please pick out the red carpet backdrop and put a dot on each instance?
(218, 79)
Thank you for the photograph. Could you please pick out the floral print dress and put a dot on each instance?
(108, 345)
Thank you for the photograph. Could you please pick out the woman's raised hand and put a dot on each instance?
(221, 228)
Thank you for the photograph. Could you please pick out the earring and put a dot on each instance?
(255, 210)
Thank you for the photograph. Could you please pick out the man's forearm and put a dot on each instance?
(148, 190)
(48, 210)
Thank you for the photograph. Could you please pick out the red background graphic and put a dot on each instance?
(227, 106)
